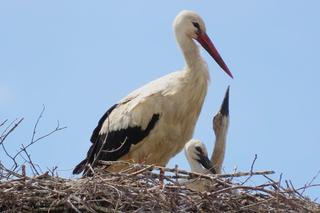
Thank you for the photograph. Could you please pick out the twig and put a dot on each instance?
(34, 140)
(5, 134)
(9, 129)
(190, 174)
(277, 189)
(293, 189)
(256, 204)
(72, 206)
(53, 171)
(23, 168)
(37, 122)
(3, 122)
(8, 155)
(23, 151)
(141, 170)
(176, 173)
(251, 169)
(311, 181)
(29, 159)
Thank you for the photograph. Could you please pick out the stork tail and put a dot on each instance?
(80, 167)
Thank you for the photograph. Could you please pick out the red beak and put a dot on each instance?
(207, 44)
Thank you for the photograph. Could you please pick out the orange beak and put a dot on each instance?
(207, 44)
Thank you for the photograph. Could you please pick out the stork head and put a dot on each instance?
(197, 156)
(189, 24)
(221, 119)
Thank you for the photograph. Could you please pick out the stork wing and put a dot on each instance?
(123, 125)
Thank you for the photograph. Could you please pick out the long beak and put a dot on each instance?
(207, 44)
(224, 110)
(206, 163)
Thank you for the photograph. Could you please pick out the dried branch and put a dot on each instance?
(307, 185)
(190, 175)
(23, 154)
(9, 129)
(251, 169)
(34, 169)
(3, 122)
(23, 148)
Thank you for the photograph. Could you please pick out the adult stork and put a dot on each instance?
(154, 122)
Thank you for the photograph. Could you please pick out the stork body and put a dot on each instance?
(154, 122)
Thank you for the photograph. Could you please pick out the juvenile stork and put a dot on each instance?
(196, 152)
(154, 122)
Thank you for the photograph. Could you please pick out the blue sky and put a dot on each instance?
(78, 58)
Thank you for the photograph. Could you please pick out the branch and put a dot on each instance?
(1, 124)
(183, 172)
(307, 185)
(251, 169)
(5, 134)
(23, 151)
(29, 160)
(33, 140)
(10, 128)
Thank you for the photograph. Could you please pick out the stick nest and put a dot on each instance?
(148, 188)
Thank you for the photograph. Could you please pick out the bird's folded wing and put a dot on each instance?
(123, 125)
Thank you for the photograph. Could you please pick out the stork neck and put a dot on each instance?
(196, 167)
(190, 52)
(218, 152)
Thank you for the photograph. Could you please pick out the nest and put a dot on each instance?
(148, 188)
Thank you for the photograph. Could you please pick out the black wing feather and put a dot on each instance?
(95, 133)
(116, 144)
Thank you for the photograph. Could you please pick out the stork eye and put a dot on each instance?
(198, 148)
(196, 25)
(215, 118)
